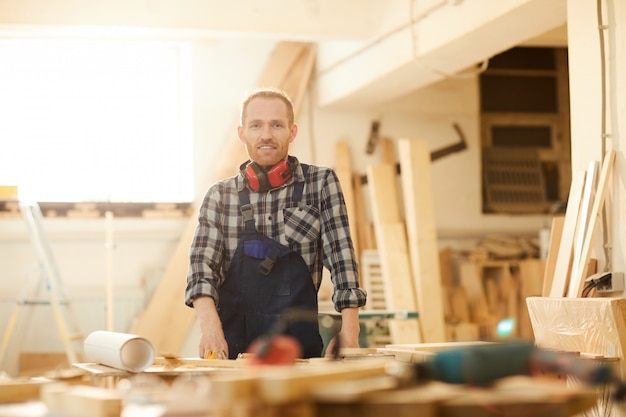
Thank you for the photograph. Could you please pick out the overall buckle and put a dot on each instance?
(266, 265)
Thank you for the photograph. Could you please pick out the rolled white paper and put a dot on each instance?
(124, 351)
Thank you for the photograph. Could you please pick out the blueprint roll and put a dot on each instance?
(123, 351)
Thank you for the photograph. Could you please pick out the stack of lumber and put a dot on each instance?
(569, 255)
(490, 301)
(403, 269)
(404, 236)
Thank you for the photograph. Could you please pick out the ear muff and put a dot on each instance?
(261, 179)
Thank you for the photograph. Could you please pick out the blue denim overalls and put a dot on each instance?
(264, 281)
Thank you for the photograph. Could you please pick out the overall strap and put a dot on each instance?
(246, 209)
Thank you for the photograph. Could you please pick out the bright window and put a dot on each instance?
(96, 121)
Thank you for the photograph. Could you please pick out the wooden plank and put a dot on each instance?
(564, 257)
(589, 190)
(283, 385)
(471, 281)
(170, 363)
(78, 400)
(396, 270)
(392, 247)
(19, 390)
(343, 167)
(166, 320)
(531, 277)
(459, 305)
(422, 234)
(556, 231)
(431, 347)
(365, 238)
(297, 78)
(531, 273)
(397, 281)
(445, 267)
(577, 282)
(38, 363)
(387, 151)
(384, 195)
(466, 331)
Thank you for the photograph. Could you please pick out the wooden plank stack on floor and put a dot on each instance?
(407, 247)
(580, 272)
(392, 246)
(574, 262)
(589, 190)
(166, 320)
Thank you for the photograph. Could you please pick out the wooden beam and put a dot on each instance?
(166, 320)
(343, 167)
(422, 235)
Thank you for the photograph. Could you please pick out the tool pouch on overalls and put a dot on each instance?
(258, 246)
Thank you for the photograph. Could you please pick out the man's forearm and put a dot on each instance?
(206, 312)
(350, 327)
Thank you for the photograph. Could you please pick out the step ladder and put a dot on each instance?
(44, 288)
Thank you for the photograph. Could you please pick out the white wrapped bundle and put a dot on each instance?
(119, 350)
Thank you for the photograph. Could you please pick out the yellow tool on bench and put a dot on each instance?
(215, 354)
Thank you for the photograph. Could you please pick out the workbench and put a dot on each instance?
(358, 384)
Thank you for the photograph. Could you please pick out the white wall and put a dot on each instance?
(429, 114)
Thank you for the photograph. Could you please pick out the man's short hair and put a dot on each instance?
(268, 93)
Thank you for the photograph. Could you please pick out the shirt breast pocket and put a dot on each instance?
(302, 224)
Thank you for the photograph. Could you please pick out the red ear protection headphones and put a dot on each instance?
(261, 179)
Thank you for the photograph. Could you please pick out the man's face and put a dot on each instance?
(266, 131)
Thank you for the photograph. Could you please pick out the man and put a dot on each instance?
(263, 238)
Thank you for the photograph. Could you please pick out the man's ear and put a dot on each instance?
(240, 134)
(294, 132)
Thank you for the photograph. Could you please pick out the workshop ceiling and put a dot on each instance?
(401, 45)
(295, 19)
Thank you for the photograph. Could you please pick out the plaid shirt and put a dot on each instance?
(316, 228)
